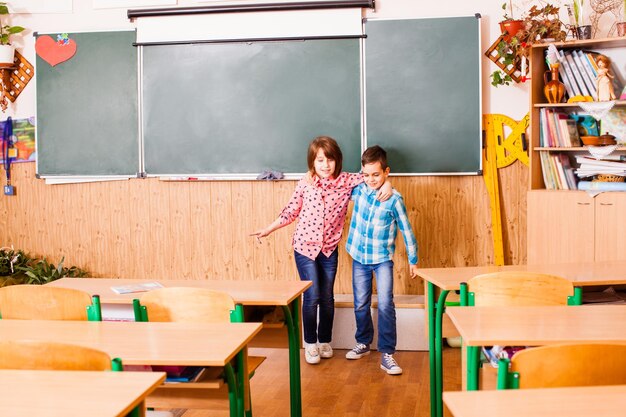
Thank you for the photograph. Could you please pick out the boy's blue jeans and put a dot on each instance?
(362, 287)
(322, 272)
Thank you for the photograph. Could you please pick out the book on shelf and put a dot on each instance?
(572, 131)
(590, 83)
(579, 79)
(546, 170)
(133, 288)
(569, 79)
(568, 170)
(601, 186)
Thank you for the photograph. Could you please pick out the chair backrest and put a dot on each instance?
(188, 304)
(32, 302)
(38, 355)
(513, 288)
(568, 365)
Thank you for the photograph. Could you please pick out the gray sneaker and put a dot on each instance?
(389, 364)
(358, 351)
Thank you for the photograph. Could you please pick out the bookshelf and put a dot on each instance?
(570, 225)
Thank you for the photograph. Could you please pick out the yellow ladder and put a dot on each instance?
(499, 152)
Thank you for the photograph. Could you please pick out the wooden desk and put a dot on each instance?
(450, 279)
(285, 294)
(75, 393)
(149, 343)
(605, 401)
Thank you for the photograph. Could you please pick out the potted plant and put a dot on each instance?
(7, 51)
(509, 26)
(582, 31)
(539, 24)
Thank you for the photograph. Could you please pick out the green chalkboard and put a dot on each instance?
(242, 108)
(423, 93)
(87, 108)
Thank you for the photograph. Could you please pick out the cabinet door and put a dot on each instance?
(611, 226)
(560, 227)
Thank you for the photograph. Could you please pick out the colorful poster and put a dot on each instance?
(23, 140)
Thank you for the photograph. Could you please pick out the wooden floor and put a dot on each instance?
(338, 387)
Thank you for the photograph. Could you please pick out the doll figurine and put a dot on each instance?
(604, 80)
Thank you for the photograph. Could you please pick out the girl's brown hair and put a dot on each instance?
(331, 150)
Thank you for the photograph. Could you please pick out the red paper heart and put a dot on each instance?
(52, 52)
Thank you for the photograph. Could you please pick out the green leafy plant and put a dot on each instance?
(6, 30)
(11, 259)
(578, 12)
(539, 23)
(41, 272)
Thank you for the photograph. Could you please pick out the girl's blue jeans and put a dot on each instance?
(320, 295)
(362, 288)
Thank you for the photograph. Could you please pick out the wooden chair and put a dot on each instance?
(31, 302)
(38, 355)
(513, 288)
(564, 365)
(517, 288)
(189, 304)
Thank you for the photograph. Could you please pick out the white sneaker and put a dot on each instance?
(325, 350)
(389, 364)
(311, 353)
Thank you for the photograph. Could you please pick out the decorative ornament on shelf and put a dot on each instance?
(510, 53)
(554, 90)
(7, 55)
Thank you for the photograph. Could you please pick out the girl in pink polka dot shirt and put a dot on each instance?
(319, 203)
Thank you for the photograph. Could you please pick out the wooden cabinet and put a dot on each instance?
(570, 225)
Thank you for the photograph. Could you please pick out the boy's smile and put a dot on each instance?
(374, 175)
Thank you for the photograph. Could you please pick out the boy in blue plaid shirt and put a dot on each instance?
(371, 243)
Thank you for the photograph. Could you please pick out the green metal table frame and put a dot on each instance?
(435, 345)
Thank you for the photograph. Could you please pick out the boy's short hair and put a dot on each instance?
(375, 154)
(331, 150)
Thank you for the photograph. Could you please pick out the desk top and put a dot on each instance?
(536, 326)
(190, 344)
(608, 401)
(74, 393)
(243, 292)
(581, 274)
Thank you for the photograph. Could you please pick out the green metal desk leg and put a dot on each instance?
(431, 349)
(441, 307)
(473, 356)
(292, 318)
(233, 392)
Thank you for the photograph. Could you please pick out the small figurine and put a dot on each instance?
(604, 80)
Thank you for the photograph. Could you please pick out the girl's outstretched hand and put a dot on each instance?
(261, 233)
(385, 192)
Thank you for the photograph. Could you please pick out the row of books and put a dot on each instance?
(558, 173)
(557, 129)
(578, 73)
(589, 166)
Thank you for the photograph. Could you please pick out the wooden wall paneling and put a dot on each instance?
(400, 259)
(461, 220)
(483, 238)
(220, 234)
(512, 200)
(160, 233)
(120, 237)
(140, 251)
(99, 225)
(410, 285)
(23, 210)
(4, 217)
(79, 232)
(181, 246)
(200, 206)
(285, 268)
(244, 224)
(265, 213)
(58, 239)
(519, 252)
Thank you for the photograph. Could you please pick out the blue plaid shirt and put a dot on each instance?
(373, 228)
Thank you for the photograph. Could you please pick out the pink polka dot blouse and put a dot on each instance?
(321, 212)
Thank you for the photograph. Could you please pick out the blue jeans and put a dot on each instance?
(322, 272)
(362, 287)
